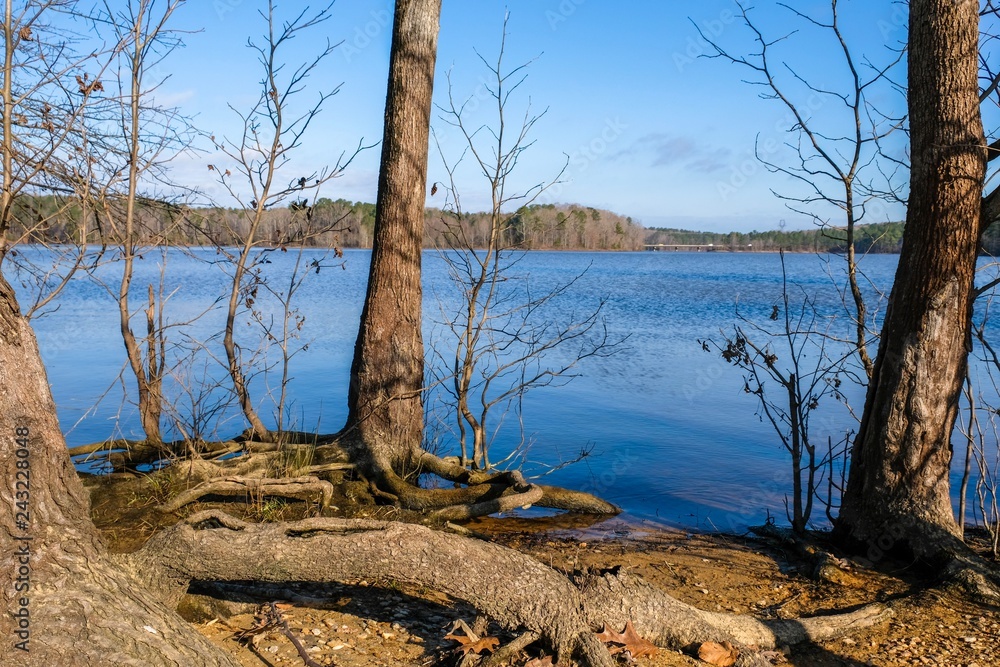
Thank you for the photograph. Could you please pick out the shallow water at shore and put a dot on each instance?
(671, 434)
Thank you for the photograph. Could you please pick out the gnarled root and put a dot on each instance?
(515, 590)
(299, 487)
(615, 596)
(973, 575)
(124, 454)
(484, 493)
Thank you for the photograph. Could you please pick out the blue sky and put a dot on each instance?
(650, 129)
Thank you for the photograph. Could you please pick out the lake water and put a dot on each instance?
(672, 434)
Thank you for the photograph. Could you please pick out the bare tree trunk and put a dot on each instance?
(860, 314)
(387, 375)
(64, 604)
(234, 361)
(897, 493)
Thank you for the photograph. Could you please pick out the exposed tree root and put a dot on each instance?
(553, 497)
(299, 487)
(615, 596)
(930, 548)
(974, 576)
(122, 454)
(824, 566)
(530, 494)
(482, 493)
(515, 590)
(556, 497)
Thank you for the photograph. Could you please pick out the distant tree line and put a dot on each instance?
(877, 238)
(536, 227)
(884, 237)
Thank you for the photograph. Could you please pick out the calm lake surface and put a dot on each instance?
(673, 436)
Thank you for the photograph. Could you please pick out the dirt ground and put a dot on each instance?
(370, 624)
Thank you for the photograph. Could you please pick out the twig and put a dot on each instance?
(276, 613)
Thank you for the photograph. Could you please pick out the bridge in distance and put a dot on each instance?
(680, 247)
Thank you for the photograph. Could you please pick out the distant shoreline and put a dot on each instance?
(666, 249)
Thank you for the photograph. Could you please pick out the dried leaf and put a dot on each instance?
(775, 657)
(720, 655)
(488, 644)
(607, 635)
(470, 641)
(628, 640)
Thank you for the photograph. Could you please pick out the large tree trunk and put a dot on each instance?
(68, 604)
(386, 411)
(897, 496)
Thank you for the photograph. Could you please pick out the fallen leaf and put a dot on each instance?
(720, 655)
(606, 635)
(629, 640)
(775, 657)
(470, 641)
(476, 646)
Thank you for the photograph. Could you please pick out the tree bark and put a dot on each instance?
(512, 588)
(78, 609)
(897, 496)
(385, 407)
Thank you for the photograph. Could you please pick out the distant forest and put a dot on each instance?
(349, 225)
(325, 223)
(884, 237)
(877, 238)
